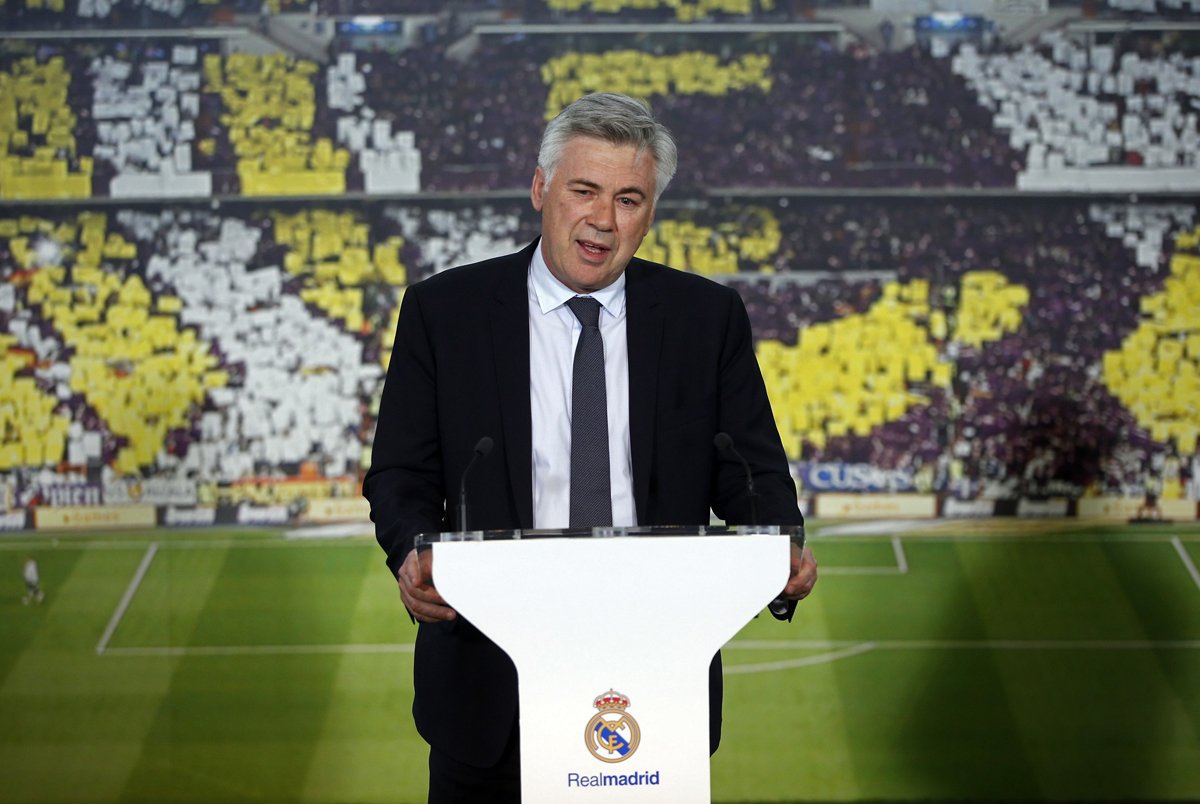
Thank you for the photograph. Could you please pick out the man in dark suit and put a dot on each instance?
(488, 349)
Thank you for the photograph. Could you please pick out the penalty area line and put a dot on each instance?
(127, 598)
(831, 650)
(969, 644)
(1186, 559)
(260, 650)
(901, 557)
(805, 661)
(835, 650)
(901, 567)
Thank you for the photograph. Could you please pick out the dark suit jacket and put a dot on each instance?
(460, 371)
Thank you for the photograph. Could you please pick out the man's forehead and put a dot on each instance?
(586, 143)
(583, 147)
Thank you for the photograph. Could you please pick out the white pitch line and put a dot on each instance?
(901, 567)
(901, 558)
(127, 598)
(174, 543)
(805, 661)
(1186, 559)
(849, 650)
(261, 650)
(972, 644)
(833, 648)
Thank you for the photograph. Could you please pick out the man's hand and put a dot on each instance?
(422, 600)
(803, 574)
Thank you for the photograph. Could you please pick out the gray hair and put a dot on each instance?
(618, 120)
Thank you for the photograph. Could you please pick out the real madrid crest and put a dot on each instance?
(612, 735)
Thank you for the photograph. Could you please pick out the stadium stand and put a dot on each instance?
(979, 345)
(273, 125)
(951, 345)
(442, 238)
(114, 14)
(145, 109)
(1108, 117)
(1061, 115)
(780, 118)
(1169, 8)
(41, 157)
(389, 162)
(476, 125)
(680, 10)
(271, 107)
(1025, 337)
(1154, 373)
(300, 375)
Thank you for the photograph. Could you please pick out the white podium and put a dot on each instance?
(612, 633)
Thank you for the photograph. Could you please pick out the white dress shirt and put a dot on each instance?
(553, 333)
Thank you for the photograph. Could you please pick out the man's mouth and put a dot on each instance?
(593, 248)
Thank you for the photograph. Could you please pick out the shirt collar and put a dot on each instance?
(551, 293)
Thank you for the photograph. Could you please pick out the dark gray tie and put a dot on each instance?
(591, 496)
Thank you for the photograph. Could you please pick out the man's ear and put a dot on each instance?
(538, 188)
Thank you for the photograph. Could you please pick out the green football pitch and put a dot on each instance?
(1009, 660)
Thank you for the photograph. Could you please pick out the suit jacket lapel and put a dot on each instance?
(510, 339)
(644, 329)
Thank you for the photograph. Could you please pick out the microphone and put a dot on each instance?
(724, 444)
(778, 607)
(482, 448)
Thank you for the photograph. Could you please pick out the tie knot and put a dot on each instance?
(586, 310)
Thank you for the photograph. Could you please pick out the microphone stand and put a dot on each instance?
(482, 448)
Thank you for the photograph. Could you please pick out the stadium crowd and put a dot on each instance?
(791, 115)
(275, 326)
(154, 117)
(1127, 102)
(980, 346)
(150, 13)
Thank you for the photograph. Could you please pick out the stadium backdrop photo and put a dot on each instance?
(968, 240)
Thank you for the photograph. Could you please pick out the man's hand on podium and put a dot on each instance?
(422, 600)
(803, 574)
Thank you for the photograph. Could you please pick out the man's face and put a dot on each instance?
(596, 209)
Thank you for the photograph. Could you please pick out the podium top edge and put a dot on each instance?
(794, 532)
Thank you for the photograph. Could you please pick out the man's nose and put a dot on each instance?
(601, 216)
